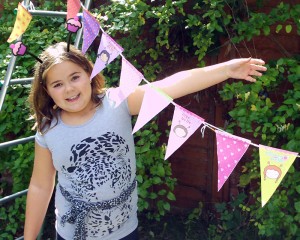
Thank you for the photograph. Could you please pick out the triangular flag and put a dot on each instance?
(230, 150)
(91, 28)
(22, 21)
(130, 79)
(108, 50)
(184, 124)
(154, 102)
(73, 7)
(274, 164)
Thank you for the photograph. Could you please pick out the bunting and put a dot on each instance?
(108, 50)
(73, 7)
(184, 124)
(274, 164)
(230, 150)
(90, 31)
(154, 101)
(22, 21)
(129, 80)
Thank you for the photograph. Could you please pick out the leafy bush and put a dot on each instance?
(155, 183)
(274, 121)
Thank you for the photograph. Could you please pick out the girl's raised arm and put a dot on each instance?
(194, 80)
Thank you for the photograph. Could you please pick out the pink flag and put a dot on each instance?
(108, 50)
(130, 79)
(184, 124)
(154, 101)
(91, 28)
(230, 150)
(73, 7)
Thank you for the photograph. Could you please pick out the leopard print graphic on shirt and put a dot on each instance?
(95, 162)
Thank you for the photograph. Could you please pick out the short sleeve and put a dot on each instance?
(110, 98)
(40, 139)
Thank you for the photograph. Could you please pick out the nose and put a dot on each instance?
(69, 87)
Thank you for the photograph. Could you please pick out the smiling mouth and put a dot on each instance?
(73, 99)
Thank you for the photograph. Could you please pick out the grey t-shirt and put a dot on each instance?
(95, 162)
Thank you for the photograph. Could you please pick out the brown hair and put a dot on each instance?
(40, 102)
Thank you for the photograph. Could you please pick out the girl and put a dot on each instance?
(88, 142)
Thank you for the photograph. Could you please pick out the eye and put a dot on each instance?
(57, 85)
(74, 78)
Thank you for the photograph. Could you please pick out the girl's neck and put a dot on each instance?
(78, 118)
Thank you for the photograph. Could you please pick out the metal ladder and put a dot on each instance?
(8, 81)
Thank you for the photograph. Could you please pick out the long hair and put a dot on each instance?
(41, 104)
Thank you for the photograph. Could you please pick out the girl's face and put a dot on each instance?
(70, 88)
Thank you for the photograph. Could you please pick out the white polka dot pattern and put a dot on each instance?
(230, 150)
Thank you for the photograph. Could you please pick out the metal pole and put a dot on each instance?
(10, 69)
(21, 81)
(13, 196)
(47, 13)
(18, 81)
(16, 142)
(7, 77)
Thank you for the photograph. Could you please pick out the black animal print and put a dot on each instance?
(97, 167)
(97, 161)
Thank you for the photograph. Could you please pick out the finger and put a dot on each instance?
(258, 68)
(255, 73)
(257, 61)
(250, 79)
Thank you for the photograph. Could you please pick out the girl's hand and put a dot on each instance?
(245, 68)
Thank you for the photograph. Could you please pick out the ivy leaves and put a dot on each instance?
(269, 110)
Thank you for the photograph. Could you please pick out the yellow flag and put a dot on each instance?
(22, 21)
(274, 164)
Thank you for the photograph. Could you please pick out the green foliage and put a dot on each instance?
(235, 221)
(269, 109)
(155, 183)
(261, 23)
(16, 162)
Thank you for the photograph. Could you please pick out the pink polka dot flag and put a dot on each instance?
(91, 28)
(230, 150)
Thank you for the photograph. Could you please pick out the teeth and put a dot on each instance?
(71, 98)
